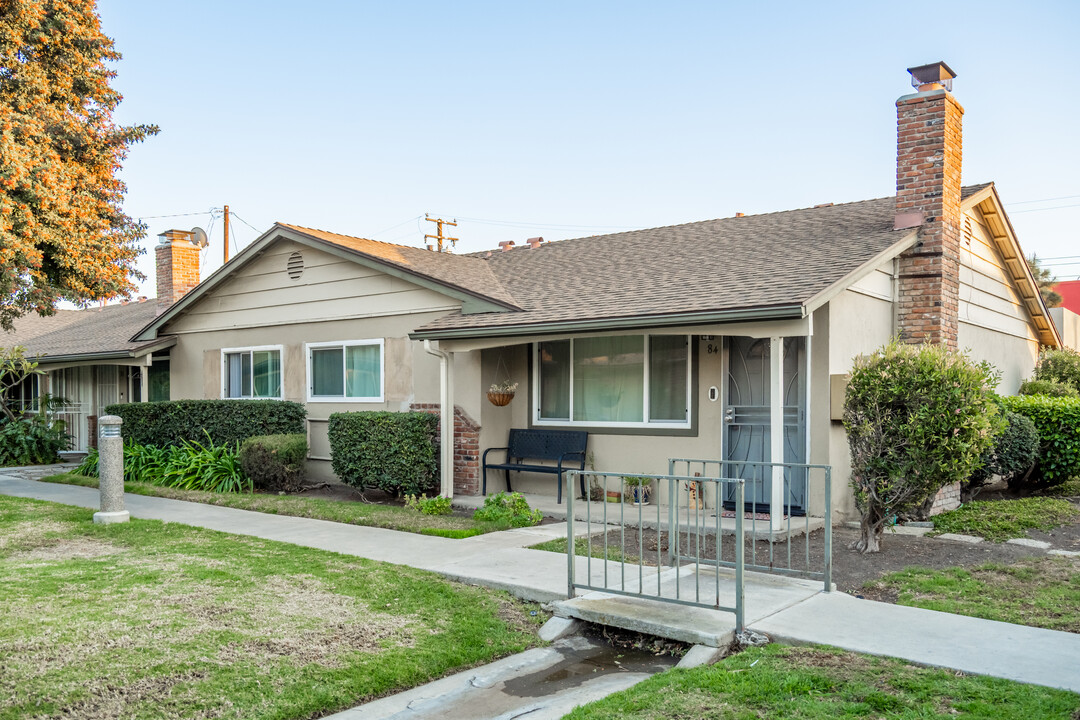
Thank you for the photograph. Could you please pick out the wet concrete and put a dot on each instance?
(537, 684)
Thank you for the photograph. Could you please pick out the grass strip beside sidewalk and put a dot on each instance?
(163, 620)
(1041, 592)
(1001, 520)
(391, 517)
(816, 683)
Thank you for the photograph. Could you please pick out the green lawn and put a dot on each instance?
(392, 517)
(581, 548)
(1000, 520)
(1041, 592)
(162, 620)
(797, 683)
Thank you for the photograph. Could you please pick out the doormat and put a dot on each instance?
(749, 515)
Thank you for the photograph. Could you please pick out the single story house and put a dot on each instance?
(722, 339)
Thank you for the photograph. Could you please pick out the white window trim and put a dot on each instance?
(655, 425)
(308, 347)
(255, 348)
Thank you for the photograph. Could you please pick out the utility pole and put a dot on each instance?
(226, 233)
(439, 222)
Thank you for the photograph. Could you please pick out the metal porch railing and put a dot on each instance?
(637, 518)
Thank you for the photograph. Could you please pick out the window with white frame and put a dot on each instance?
(350, 371)
(251, 373)
(622, 381)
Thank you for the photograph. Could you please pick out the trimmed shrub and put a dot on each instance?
(1060, 365)
(1047, 387)
(1057, 420)
(1014, 452)
(396, 452)
(508, 509)
(275, 462)
(32, 441)
(917, 418)
(171, 422)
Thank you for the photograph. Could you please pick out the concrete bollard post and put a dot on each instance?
(111, 471)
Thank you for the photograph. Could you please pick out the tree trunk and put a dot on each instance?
(870, 529)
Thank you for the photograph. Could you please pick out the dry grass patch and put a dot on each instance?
(158, 620)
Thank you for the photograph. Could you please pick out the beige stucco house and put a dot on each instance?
(726, 339)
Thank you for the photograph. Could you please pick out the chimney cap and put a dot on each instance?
(934, 76)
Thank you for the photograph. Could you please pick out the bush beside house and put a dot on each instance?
(1059, 365)
(918, 418)
(1014, 452)
(391, 451)
(275, 462)
(1057, 421)
(167, 423)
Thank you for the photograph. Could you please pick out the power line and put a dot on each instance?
(1056, 207)
(1029, 202)
(233, 213)
(546, 226)
(395, 227)
(155, 217)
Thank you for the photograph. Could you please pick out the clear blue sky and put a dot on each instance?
(565, 119)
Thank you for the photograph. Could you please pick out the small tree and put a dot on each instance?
(918, 417)
(1059, 365)
(14, 368)
(1044, 278)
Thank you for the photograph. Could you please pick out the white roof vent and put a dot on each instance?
(296, 265)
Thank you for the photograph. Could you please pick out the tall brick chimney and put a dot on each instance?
(177, 265)
(928, 159)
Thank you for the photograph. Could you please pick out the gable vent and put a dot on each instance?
(296, 265)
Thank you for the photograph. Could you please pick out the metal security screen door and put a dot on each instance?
(747, 433)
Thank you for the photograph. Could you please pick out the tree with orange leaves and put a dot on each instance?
(63, 231)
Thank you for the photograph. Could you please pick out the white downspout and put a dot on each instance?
(446, 414)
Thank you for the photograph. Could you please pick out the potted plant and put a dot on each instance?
(502, 393)
(638, 489)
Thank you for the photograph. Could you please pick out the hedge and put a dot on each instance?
(168, 423)
(1057, 420)
(275, 462)
(1047, 387)
(394, 452)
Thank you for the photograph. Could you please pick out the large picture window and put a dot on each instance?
(622, 381)
(251, 373)
(345, 371)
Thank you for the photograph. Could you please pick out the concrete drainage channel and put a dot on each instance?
(579, 667)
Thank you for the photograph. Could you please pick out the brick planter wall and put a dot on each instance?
(466, 448)
(947, 498)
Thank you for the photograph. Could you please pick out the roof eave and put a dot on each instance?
(1003, 234)
(776, 312)
(165, 342)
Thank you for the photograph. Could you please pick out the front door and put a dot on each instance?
(747, 427)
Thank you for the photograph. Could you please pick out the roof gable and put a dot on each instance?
(462, 278)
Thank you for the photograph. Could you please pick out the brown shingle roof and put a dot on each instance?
(95, 331)
(463, 272)
(757, 261)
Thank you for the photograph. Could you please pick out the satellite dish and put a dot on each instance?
(198, 237)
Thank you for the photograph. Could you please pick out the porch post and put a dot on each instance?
(144, 390)
(446, 418)
(776, 430)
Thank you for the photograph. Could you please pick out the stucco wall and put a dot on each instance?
(1068, 326)
(857, 323)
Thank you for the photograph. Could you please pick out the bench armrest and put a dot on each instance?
(572, 454)
(484, 458)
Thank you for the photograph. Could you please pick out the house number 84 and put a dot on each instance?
(712, 348)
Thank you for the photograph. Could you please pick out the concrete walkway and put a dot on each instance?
(794, 613)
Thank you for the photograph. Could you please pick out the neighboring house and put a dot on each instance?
(661, 343)
(1067, 316)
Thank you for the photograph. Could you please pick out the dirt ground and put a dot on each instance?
(851, 570)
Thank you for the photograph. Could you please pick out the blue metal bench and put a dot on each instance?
(564, 447)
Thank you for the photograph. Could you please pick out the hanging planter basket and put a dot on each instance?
(500, 398)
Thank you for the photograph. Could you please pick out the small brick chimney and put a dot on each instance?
(177, 265)
(928, 159)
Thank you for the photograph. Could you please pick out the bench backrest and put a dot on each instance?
(546, 444)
